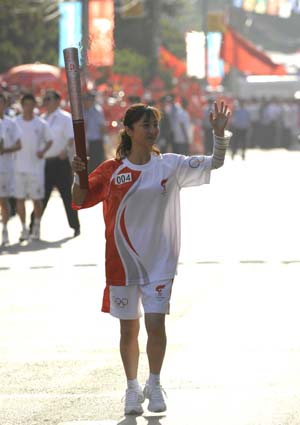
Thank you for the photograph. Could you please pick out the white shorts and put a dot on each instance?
(6, 185)
(124, 302)
(30, 186)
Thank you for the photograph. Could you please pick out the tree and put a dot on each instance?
(28, 32)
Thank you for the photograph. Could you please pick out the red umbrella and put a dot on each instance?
(33, 74)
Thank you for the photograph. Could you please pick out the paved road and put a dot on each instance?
(233, 336)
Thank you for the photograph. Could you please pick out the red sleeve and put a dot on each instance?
(99, 181)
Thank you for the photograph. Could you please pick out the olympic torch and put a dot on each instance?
(74, 89)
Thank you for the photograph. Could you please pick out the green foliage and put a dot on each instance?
(177, 18)
(172, 39)
(129, 62)
(27, 35)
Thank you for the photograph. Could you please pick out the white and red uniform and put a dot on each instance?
(141, 207)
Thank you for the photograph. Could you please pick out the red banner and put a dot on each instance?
(170, 61)
(101, 26)
(246, 57)
(273, 7)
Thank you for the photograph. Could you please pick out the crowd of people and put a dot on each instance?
(265, 124)
(37, 141)
(37, 144)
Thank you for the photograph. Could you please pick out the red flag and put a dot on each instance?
(246, 57)
(168, 60)
(101, 25)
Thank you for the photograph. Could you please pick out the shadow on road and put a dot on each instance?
(149, 420)
(32, 246)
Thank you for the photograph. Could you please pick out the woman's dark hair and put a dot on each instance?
(133, 114)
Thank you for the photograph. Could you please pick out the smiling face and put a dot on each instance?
(144, 132)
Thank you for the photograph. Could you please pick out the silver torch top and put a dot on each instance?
(73, 79)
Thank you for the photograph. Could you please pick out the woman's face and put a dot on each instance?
(145, 131)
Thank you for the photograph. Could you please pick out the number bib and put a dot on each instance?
(123, 178)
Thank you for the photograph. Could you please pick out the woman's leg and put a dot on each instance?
(129, 346)
(156, 348)
(157, 341)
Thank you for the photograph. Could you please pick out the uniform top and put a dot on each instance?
(60, 123)
(141, 208)
(9, 133)
(34, 135)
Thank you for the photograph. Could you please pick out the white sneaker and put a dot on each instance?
(133, 402)
(156, 395)
(24, 235)
(35, 235)
(5, 240)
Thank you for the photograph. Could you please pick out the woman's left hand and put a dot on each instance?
(219, 118)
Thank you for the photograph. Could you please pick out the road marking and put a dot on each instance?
(94, 423)
(213, 263)
(58, 395)
(40, 267)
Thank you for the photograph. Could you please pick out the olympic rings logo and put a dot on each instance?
(194, 162)
(121, 302)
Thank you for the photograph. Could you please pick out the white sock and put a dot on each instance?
(154, 379)
(132, 384)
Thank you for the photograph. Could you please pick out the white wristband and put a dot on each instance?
(219, 149)
(76, 179)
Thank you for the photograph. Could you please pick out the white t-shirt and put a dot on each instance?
(34, 136)
(60, 123)
(141, 207)
(10, 133)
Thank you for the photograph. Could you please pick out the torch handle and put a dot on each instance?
(74, 89)
(80, 147)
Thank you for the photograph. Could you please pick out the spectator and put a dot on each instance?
(240, 125)
(94, 122)
(58, 171)
(253, 107)
(36, 139)
(9, 143)
(164, 138)
(180, 135)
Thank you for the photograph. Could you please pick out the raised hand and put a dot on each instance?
(219, 118)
